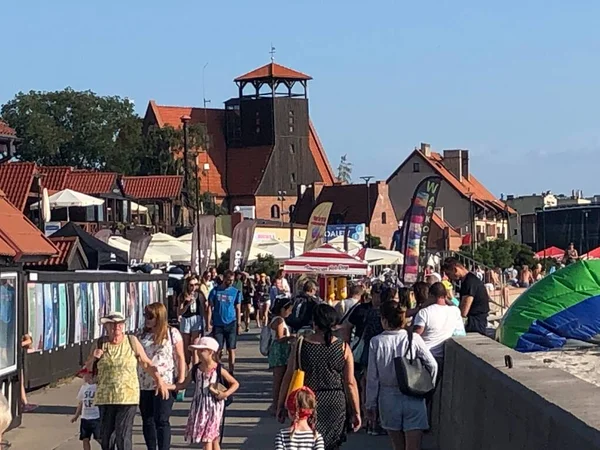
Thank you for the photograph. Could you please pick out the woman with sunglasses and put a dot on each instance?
(191, 311)
(164, 346)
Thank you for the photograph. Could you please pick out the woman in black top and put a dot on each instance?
(190, 312)
(247, 297)
(329, 371)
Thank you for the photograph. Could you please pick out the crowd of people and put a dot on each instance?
(334, 365)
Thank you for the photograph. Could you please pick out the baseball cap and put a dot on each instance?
(112, 317)
(205, 342)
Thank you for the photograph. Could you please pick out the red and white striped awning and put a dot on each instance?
(327, 260)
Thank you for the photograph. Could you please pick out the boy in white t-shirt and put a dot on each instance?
(87, 410)
(439, 321)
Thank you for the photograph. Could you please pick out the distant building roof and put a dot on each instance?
(467, 186)
(273, 70)
(16, 179)
(153, 187)
(19, 238)
(6, 130)
(68, 248)
(55, 177)
(90, 182)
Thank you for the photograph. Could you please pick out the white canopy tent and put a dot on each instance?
(68, 198)
(279, 250)
(152, 256)
(378, 257)
(338, 242)
(178, 251)
(224, 244)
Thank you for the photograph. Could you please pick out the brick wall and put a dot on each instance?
(264, 204)
(383, 205)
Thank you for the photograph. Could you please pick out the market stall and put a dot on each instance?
(331, 266)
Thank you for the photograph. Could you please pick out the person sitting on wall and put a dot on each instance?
(570, 255)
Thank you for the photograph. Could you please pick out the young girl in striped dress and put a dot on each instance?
(302, 435)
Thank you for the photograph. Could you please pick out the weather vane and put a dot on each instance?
(272, 52)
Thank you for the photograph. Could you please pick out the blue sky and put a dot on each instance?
(515, 82)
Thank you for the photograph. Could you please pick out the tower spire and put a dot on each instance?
(272, 52)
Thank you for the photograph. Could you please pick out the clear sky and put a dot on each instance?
(515, 82)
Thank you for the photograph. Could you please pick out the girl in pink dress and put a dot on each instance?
(208, 404)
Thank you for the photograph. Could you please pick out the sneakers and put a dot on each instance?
(29, 407)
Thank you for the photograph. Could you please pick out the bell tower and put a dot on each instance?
(272, 104)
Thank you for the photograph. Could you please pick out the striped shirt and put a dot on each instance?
(302, 440)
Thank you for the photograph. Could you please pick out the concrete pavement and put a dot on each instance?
(248, 426)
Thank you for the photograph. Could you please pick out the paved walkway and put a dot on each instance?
(248, 426)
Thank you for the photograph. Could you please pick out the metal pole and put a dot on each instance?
(544, 231)
(216, 250)
(368, 224)
(472, 213)
(184, 121)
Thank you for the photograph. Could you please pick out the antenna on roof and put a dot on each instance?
(272, 52)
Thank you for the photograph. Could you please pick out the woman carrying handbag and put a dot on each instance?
(402, 414)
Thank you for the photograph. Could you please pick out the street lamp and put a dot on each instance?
(185, 123)
(366, 179)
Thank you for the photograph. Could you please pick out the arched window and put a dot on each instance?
(275, 212)
(383, 218)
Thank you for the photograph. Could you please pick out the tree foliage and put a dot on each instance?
(75, 128)
(345, 170)
(501, 253)
(374, 242)
(264, 264)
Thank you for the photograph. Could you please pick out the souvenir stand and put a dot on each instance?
(331, 266)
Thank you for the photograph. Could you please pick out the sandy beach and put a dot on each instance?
(583, 363)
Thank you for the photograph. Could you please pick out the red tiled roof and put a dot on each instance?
(273, 70)
(443, 224)
(153, 187)
(16, 179)
(19, 238)
(55, 177)
(6, 130)
(64, 245)
(211, 180)
(88, 182)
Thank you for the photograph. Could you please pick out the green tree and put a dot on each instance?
(501, 253)
(75, 128)
(345, 170)
(374, 242)
(224, 261)
(264, 264)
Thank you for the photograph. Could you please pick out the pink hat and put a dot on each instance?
(205, 342)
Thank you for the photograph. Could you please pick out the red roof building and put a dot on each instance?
(153, 187)
(261, 143)
(8, 138)
(20, 240)
(463, 201)
(16, 180)
(70, 255)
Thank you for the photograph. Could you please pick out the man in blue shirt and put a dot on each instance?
(224, 314)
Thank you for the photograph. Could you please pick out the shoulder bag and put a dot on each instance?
(297, 380)
(412, 376)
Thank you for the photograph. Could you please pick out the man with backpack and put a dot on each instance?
(301, 318)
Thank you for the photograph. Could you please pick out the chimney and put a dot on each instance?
(426, 149)
(465, 164)
(453, 162)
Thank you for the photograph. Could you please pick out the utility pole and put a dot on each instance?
(366, 179)
(185, 121)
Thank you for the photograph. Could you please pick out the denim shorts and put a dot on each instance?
(192, 324)
(399, 412)
(89, 429)
(226, 335)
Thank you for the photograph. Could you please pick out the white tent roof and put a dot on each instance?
(378, 257)
(224, 244)
(338, 242)
(138, 209)
(151, 256)
(67, 198)
(178, 251)
(279, 250)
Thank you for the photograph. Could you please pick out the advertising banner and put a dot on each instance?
(355, 231)
(416, 227)
(317, 226)
(202, 243)
(241, 242)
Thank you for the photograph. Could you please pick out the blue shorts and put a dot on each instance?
(192, 324)
(399, 412)
(226, 335)
(89, 429)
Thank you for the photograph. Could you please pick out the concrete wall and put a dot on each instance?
(486, 406)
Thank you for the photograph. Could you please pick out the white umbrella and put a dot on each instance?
(224, 244)
(179, 252)
(279, 250)
(67, 198)
(338, 242)
(46, 213)
(151, 255)
(378, 257)
(138, 209)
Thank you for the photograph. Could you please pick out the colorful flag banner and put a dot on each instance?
(416, 227)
